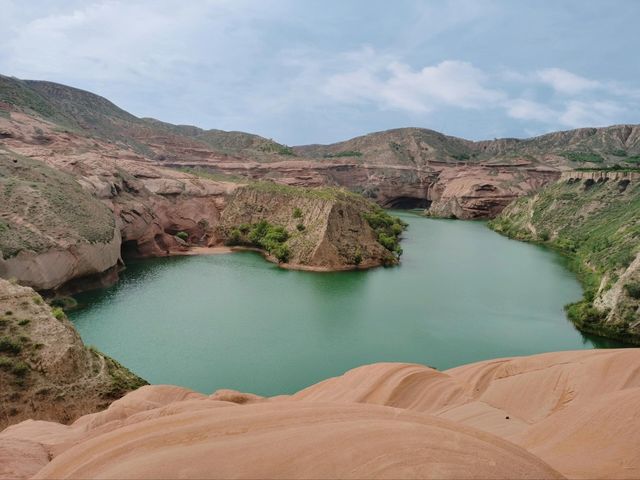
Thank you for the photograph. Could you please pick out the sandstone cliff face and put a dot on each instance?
(593, 217)
(46, 372)
(73, 204)
(545, 416)
(326, 227)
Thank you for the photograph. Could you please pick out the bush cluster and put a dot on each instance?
(263, 235)
(388, 229)
(58, 313)
(584, 313)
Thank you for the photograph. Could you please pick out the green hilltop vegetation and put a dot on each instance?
(596, 224)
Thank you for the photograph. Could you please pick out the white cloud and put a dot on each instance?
(524, 109)
(278, 68)
(566, 82)
(596, 113)
(396, 85)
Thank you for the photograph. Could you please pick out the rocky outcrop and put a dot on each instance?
(46, 372)
(600, 175)
(325, 228)
(483, 192)
(559, 414)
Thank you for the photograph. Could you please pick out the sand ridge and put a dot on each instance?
(572, 414)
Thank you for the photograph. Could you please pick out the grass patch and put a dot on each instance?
(583, 157)
(345, 153)
(9, 345)
(322, 193)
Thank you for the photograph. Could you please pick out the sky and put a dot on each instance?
(323, 71)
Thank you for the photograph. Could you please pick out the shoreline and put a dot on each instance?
(223, 250)
(193, 251)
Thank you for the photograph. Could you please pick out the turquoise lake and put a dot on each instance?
(462, 293)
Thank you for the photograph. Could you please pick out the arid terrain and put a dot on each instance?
(568, 414)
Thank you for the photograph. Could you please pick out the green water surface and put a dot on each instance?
(462, 293)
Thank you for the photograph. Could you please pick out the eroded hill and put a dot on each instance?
(408, 167)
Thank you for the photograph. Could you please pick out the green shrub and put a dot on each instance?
(297, 213)
(300, 227)
(235, 237)
(258, 232)
(8, 345)
(281, 252)
(388, 229)
(58, 313)
(24, 322)
(387, 241)
(263, 235)
(619, 153)
(20, 369)
(633, 289)
(184, 236)
(357, 258)
(6, 363)
(583, 313)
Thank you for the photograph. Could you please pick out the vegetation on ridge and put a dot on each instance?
(388, 229)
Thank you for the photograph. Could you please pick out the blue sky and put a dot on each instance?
(322, 71)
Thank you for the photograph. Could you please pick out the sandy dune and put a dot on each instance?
(574, 414)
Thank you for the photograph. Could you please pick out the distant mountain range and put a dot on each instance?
(407, 167)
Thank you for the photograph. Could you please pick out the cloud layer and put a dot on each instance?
(303, 73)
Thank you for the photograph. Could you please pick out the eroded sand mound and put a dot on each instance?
(576, 413)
